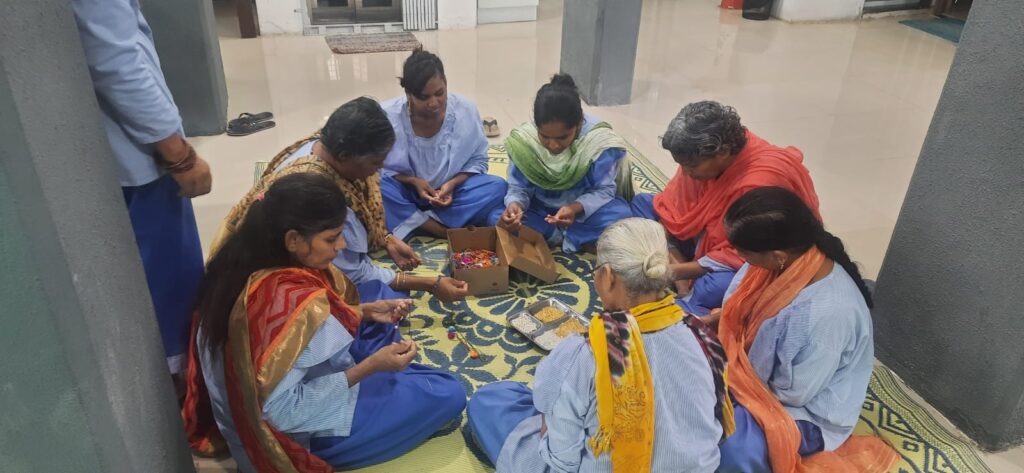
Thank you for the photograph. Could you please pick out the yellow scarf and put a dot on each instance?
(625, 406)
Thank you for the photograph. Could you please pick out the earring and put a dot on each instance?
(782, 266)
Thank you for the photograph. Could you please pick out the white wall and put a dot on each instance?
(817, 10)
(456, 14)
(280, 16)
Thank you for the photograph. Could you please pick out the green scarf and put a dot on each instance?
(562, 171)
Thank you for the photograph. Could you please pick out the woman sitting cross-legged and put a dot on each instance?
(568, 173)
(643, 390)
(350, 149)
(797, 333)
(435, 177)
(285, 366)
(719, 161)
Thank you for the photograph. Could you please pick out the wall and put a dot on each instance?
(185, 33)
(817, 10)
(280, 16)
(456, 14)
(948, 315)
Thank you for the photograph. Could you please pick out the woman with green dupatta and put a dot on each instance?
(568, 177)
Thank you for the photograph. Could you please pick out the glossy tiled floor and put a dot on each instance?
(857, 97)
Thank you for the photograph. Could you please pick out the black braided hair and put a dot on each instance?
(775, 219)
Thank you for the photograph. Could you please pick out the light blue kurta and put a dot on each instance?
(354, 260)
(817, 354)
(137, 107)
(313, 400)
(686, 432)
(459, 147)
(595, 190)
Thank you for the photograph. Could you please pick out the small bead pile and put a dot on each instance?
(474, 259)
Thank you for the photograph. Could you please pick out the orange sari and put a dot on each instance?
(275, 317)
(761, 295)
(688, 207)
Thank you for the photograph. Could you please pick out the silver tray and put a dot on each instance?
(540, 333)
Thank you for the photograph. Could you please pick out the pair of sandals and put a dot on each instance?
(249, 123)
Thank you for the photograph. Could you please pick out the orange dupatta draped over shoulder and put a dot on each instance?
(689, 208)
(761, 296)
(275, 317)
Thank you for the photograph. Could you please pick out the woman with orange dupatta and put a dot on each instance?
(719, 160)
(797, 333)
(643, 390)
(285, 366)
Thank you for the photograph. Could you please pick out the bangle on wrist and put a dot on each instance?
(437, 283)
(182, 165)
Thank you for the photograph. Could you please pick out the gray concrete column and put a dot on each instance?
(599, 48)
(83, 381)
(185, 32)
(949, 316)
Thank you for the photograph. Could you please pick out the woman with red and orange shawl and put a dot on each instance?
(719, 160)
(797, 335)
(285, 366)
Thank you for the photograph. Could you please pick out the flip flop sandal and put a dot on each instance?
(252, 118)
(244, 128)
(491, 127)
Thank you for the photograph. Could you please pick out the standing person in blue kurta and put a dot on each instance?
(797, 333)
(159, 170)
(435, 177)
(643, 390)
(286, 366)
(569, 173)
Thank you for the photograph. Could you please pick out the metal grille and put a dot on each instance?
(419, 15)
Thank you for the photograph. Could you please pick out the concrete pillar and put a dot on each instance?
(949, 316)
(599, 48)
(83, 381)
(185, 32)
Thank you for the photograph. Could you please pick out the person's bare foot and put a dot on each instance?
(435, 229)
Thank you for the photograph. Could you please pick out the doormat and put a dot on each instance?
(373, 43)
(948, 29)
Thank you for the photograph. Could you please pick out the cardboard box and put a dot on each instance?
(527, 252)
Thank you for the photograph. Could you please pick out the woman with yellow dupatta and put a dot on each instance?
(797, 332)
(286, 367)
(596, 397)
(350, 149)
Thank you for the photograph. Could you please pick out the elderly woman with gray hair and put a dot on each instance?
(719, 161)
(596, 396)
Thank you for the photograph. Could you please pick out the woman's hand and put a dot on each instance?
(565, 217)
(403, 254)
(423, 189)
(445, 194)
(512, 218)
(389, 311)
(450, 290)
(394, 357)
(712, 319)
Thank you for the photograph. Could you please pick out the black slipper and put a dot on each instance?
(247, 128)
(252, 117)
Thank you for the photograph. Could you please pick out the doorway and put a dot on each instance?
(334, 12)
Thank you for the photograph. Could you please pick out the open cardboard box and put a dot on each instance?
(527, 252)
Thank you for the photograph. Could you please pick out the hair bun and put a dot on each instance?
(657, 270)
(563, 80)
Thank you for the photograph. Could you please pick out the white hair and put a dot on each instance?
(637, 251)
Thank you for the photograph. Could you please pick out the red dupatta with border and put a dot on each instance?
(270, 325)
